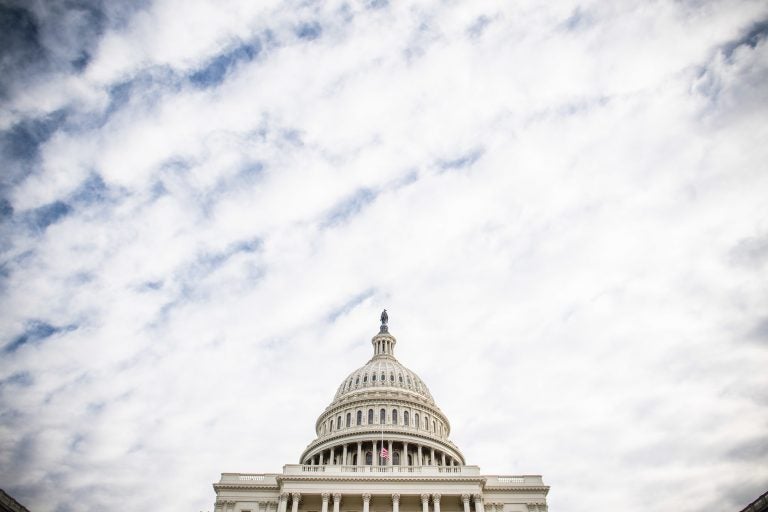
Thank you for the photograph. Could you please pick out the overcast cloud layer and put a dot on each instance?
(205, 205)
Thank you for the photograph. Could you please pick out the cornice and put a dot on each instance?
(388, 478)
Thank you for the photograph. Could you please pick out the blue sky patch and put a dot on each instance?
(349, 207)
(48, 214)
(215, 71)
(465, 160)
(309, 31)
(36, 330)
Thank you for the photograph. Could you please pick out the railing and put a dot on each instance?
(297, 469)
(249, 478)
(505, 481)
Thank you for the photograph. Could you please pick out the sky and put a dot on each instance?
(204, 206)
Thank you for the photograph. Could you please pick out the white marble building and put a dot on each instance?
(385, 405)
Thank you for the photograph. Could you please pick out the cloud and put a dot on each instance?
(205, 205)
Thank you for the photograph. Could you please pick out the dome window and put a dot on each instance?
(383, 377)
(401, 378)
(349, 419)
(338, 423)
(373, 378)
(370, 416)
(357, 380)
(392, 378)
(365, 378)
(405, 418)
(396, 459)
(394, 416)
(368, 458)
(416, 420)
(382, 416)
(359, 417)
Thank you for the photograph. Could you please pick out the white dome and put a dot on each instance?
(380, 373)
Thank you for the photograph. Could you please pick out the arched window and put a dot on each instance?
(370, 416)
(408, 377)
(405, 419)
(383, 377)
(426, 422)
(330, 425)
(400, 377)
(382, 416)
(373, 378)
(359, 417)
(357, 380)
(434, 426)
(368, 458)
(396, 459)
(392, 378)
(365, 378)
(338, 423)
(416, 420)
(394, 416)
(349, 419)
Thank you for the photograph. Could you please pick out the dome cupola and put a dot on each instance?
(382, 404)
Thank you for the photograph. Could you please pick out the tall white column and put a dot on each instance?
(432, 460)
(395, 502)
(425, 503)
(443, 458)
(405, 453)
(366, 500)
(464, 499)
(325, 497)
(295, 498)
(375, 454)
(436, 502)
(478, 498)
(391, 454)
(359, 453)
(283, 500)
(420, 461)
(344, 455)
(336, 501)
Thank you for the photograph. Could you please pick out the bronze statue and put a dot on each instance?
(384, 317)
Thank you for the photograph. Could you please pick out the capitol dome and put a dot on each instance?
(385, 405)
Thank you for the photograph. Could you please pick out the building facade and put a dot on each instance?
(382, 446)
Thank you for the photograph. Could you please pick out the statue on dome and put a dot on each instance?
(384, 317)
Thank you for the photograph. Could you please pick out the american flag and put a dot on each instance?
(384, 453)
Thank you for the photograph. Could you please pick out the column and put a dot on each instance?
(443, 458)
(395, 502)
(282, 501)
(325, 497)
(425, 503)
(375, 455)
(320, 459)
(405, 452)
(436, 502)
(464, 499)
(432, 457)
(478, 503)
(366, 500)
(295, 498)
(419, 460)
(359, 453)
(391, 454)
(336, 501)
(344, 455)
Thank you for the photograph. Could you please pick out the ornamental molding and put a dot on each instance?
(366, 497)
(436, 498)
(373, 478)
(326, 496)
(395, 498)
(425, 498)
